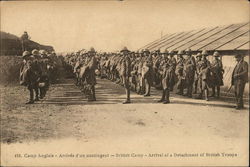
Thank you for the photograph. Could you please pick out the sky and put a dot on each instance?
(109, 25)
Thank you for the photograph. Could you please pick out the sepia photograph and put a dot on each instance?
(124, 83)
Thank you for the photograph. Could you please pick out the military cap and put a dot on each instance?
(171, 52)
(198, 55)
(238, 55)
(188, 51)
(216, 54)
(157, 51)
(43, 52)
(204, 53)
(180, 52)
(35, 52)
(166, 51)
(146, 51)
(92, 50)
(25, 54)
(125, 49)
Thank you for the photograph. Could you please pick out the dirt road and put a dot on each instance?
(64, 120)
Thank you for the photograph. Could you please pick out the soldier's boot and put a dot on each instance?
(167, 96)
(93, 93)
(147, 93)
(190, 90)
(206, 94)
(37, 94)
(128, 96)
(218, 92)
(180, 91)
(195, 87)
(200, 95)
(31, 100)
(163, 96)
(213, 92)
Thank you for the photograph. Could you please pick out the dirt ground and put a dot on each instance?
(65, 116)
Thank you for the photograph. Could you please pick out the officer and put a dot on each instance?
(189, 72)
(179, 72)
(239, 79)
(217, 74)
(147, 72)
(126, 72)
(204, 76)
(197, 71)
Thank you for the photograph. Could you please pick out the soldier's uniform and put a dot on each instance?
(217, 74)
(44, 80)
(29, 75)
(37, 70)
(168, 78)
(189, 72)
(147, 72)
(126, 72)
(180, 72)
(172, 64)
(156, 64)
(197, 71)
(90, 73)
(239, 80)
(204, 76)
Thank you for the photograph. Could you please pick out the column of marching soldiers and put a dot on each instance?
(37, 72)
(139, 71)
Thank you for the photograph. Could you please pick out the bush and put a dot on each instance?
(9, 69)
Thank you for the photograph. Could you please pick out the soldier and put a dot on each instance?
(37, 70)
(156, 64)
(126, 72)
(189, 71)
(141, 89)
(147, 72)
(217, 74)
(239, 79)
(179, 72)
(168, 78)
(172, 64)
(90, 73)
(28, 76)
(44, 80)
(197, 71)
(204, 76)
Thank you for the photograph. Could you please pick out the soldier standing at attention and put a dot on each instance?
(197, 71)
(147, 72)
(239, 79)
(172, 64)
(126, 72)
(204, 75)
(217, 74)
(168, 79)
(179, 72)
(189, 70)
(90, 73)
